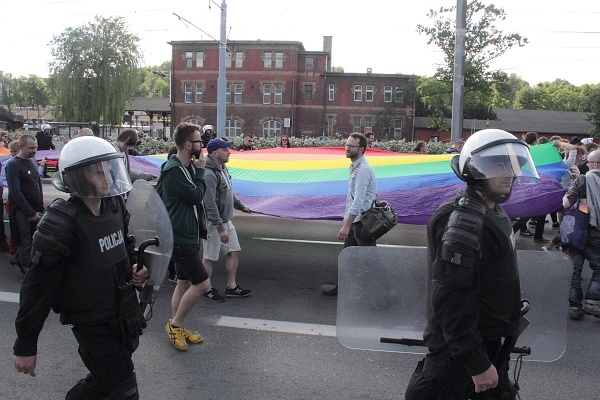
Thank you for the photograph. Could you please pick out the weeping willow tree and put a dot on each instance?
(94, 70)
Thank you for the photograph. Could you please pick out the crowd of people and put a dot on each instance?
(474, 291)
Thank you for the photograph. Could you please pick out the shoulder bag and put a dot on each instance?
(377, 220)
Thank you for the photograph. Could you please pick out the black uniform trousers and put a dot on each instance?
(106, 352)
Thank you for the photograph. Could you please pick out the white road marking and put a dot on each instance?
(9, 297)
(325, 242)
(276, 326)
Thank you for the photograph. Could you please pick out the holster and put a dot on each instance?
(130, 311)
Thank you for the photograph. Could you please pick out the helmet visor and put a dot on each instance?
(504, 160)
(105, 178)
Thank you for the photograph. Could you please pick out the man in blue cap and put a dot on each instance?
(219, 202)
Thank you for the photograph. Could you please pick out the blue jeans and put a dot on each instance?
(591, 252)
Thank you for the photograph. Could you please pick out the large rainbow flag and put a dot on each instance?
(312, 183)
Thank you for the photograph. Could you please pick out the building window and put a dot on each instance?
(278, 59)
(387, 94)
(194, 121)
(267, 93)
(398, 122)
(199, 59)
(399, 95)
(233, 128)
(188, 59)
(356, 125)
(357, 92)
(278, 93)
(368, 124)
(239, 59)
(198, 93)
(331, 92)
(329, 128)
(268, 59)
(228, 93)
(188, 92)
(228, 57)
(308, 63)
(271, 128)
(308, 92)
(369, 90)
(237, 87)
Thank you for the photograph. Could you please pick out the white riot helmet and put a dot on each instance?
(207, 127)
(90, 167)
(494, 153)
(46, 127)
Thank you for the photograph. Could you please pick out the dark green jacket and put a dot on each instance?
(182, 190)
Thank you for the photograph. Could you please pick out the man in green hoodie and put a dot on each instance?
(182, 187)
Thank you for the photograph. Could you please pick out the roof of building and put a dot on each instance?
(154, 104)
(520, 121)
(253, 43)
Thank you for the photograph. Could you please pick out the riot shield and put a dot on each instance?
(381, 300)
(149, 221)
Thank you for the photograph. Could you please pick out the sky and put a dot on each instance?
(564, 37)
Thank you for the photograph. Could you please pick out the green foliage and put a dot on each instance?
(154, 81)
(484, 43)
(151, 146)
(94, 70)
(559, 95)
(31, 91)
(594, 117)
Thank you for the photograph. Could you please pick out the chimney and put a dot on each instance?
(327, 47)
(369, 71)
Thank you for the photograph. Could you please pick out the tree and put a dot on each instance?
(154, 81)
(34, 92)
(8, 89)
(94, 70)
(594, 117)
(485, 42)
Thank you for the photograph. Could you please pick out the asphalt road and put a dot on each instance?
(278, 343)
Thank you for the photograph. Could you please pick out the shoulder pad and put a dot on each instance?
(461, 242)
(53, 234)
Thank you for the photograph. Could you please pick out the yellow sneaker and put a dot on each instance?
(176, 336)
(192, 337)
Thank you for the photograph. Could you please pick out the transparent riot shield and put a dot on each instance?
(381, 300)
(151, 226)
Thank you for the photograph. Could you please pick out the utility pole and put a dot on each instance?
(222, 81)
(458, 85)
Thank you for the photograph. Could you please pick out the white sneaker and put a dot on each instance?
(544, 248)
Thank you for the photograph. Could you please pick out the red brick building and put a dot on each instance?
(276, 87)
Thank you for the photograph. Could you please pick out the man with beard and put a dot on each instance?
(362, 191)
(182, 187)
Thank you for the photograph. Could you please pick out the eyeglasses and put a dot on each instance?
(350, 146)
(195, 141)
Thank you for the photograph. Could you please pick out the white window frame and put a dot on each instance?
(238, 91)
(233, 128)
(271, 128)
(398, 125)
(329, 127)
(368, 123)
(355, 127)
(266, 93)
(278, 94)
(239, 59)
(268, 59)
(279, 59)
(199, 59)
(399, 94)
(188, 59)
(228, 93)
(387, 94)
(199, 92)
(369, 93)
(331, 92)
(357, 92)
(187, 92)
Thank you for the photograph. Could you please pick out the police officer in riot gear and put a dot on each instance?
(83, 267)
(473, 291)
